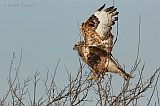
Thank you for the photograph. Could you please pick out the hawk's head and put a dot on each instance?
(78, 45)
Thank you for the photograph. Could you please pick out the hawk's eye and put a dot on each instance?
(76, 45)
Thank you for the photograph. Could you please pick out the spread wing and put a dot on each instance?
(97, 29)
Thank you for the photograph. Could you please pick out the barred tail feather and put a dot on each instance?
(125, 75)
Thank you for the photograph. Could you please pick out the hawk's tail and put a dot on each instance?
(115, 67)
(124, 74)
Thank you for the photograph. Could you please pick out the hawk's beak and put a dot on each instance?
(74, 48)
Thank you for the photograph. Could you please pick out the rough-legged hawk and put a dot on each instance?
(96, 47)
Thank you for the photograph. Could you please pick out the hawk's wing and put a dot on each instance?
(97, 29)
(106, 18)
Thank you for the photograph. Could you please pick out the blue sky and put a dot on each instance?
(46, 30)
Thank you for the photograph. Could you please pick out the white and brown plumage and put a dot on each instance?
(99, 60)
(97, 29)
(95, 49)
